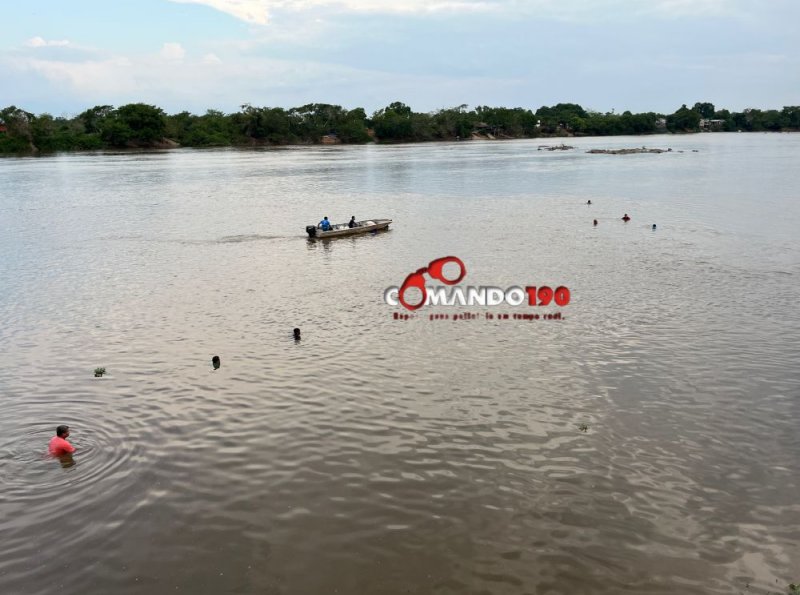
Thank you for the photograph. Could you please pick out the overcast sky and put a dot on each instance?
(640, 55)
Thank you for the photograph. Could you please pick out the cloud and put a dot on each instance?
(370, 52)
(172, 51)
(249, 11)
(258, 11)
(89, 78)
(38, 42)
(403, 6)
(691, 8)
(206, 82)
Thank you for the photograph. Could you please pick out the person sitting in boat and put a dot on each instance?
(352, 223)
(325, 225)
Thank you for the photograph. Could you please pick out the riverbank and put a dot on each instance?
(167, 144)
(140, 126)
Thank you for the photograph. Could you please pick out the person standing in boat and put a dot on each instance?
(352, 223)
(325, 225)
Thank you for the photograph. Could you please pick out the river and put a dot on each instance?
(646, 442)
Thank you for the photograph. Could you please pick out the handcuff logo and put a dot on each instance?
(482, 295)
(435, 270)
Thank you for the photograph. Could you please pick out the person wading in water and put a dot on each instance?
(58, 443)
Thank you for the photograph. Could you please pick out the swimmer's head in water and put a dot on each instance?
(296, 332)
(62, 431)
(215, 362)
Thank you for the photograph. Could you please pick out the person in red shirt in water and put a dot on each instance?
(58, 443)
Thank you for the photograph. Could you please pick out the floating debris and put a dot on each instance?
(561, 147)
(583, 428)
(98, 372)
(626, 151)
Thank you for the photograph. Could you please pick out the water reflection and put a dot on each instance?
(66, 460)
(328, 243)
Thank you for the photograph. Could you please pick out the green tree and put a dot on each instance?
(213, 128)
(393, 122)
(508, 121)
(146, 122)
(559, 116)
(769, 120)
(792, 115)
(313, 121)
(179, 127)
(43, 130)
(93, 118)
(18, 137)
(683, 120)
(136, 124)
(706, 110)
(264, 124)
(353, 129)
(455, 122)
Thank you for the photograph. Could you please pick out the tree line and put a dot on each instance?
(139, 125)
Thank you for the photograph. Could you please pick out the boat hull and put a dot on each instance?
(342, 230)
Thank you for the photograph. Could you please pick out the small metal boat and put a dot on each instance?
(343, 229)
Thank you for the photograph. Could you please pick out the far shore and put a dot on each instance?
(168, 145)
(142, 126)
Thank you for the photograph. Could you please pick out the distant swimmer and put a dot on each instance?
(588, 202)
(595, 221)
(296, 332)
(654, 226)
(626, 218)
(215, 362)
(58, 443)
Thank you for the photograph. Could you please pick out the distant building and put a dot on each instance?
(484, 128)
(330, 139)
(709, 125)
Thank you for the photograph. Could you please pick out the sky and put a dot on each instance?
(64, 57)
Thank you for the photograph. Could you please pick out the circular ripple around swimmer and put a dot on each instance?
(50, 498)
(30, 477)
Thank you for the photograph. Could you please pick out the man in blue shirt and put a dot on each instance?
(325, 224)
